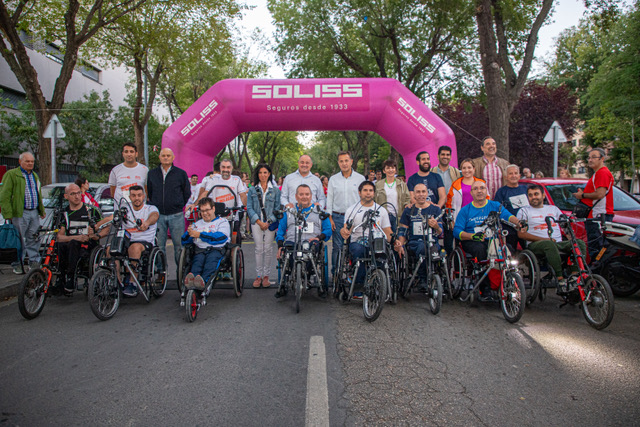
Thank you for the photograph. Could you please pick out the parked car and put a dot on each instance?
(52, 196)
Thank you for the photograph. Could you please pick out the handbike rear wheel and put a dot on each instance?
(104, 295)
(374, 294)
(191, 305)
(530, 272)
(598, 306)
(157, 275)
(457, 271)
(512, 297)
(31, 295)
(435, 293)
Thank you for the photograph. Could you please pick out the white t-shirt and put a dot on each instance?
(536, 220)
(124, 178)
(356, 214)
(222, 194)
(392, 197)
(195, 190)
(218, 224)
(143, 214)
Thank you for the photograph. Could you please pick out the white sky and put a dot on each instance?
(567, 14)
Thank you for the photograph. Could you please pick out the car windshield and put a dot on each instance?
(563, 198)
(52, 196)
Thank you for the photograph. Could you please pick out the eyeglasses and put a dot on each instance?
(75, 193)
(205, 210)
(595, 157)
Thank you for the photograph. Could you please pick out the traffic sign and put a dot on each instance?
(54, 128)
(549, 136)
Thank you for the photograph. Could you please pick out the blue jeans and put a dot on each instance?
(417, 248)
(337, 240)
(206, 263)
(359, 251)
(175, 223)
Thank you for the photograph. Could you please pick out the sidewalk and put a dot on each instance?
(9, 282)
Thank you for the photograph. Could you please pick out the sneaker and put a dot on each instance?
(188, 280)
(258, 282)
(280, 292)
(198, 282)
(17, 269)
(265, 282)
(226, 276)
(485, 296)
(130, 291)
(562, 285)
(69, 286)
(357, 295)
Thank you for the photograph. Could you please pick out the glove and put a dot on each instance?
(478, 237)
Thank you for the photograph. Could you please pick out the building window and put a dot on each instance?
(581, 169)
(90, 72)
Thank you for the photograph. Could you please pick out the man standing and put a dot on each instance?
(127, 174)
(526, 173)
(302, 176)
(490, 167)
(598, 188)
(372, 176)
(21, 203)
(512, 196)
(433, 182)
(342, 192)
(194, 188)
(169, 191)
(448, 174)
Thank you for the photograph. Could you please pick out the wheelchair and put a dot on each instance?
(232, 262)
(591, 291)
(303, 266)
(466, 273)
(375, 289)
(114, 261)
(36, 285)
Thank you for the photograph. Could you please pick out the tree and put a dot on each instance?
(280, 150)
(20, 131)
(71, 23)
(507, 35)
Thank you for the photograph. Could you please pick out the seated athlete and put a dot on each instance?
(410, 230)
(76, 238)
(317, 229)
(537, 232)
(358, 246)
(469, 231)
(209, 234)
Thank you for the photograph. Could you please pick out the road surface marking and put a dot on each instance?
(317, 411)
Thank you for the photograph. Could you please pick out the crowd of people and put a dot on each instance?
(157, 199)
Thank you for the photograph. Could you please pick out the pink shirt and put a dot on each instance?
(466, 194)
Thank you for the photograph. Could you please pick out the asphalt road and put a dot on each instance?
(246, 361)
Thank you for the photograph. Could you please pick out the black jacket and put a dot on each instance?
(170, 195)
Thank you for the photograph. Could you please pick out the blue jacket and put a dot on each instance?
(171, 194)
(471, 217)
(272, 202)
(325, 233)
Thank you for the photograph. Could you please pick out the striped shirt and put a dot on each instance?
(492, 175)
(30, 190)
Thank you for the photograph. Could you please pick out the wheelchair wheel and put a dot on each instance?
(191, 305)
(184, 262)
(335, 282)
(298, 290)
(530, 272)
(325, 269)
(31, 295)
(104, 295)
(237, 270)
(598, 306)
(512, 297)
(95, 257)
(157, 272)
(435, 294)
(457, 271)
(374, 294)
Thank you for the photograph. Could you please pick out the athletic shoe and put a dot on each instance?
(188, 280)
(17, 269)
(357, 295)
(226, 276)
(265, 282)
(257, 283)
(130, 291)
(198, 282)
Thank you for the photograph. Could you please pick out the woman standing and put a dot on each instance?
(325, 183)
(262, 200)
(394, 191)
(83, 183)
(460, 191)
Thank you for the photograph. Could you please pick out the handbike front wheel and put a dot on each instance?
(31, 295)
(191, 305)
(598, 305)
(374, 295)
(104, 295)
(298, 286)
(435, 293)
(237, 267)
(512, 297)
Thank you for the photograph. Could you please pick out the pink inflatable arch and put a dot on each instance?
(231, 107)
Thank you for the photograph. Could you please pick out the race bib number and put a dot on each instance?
(308, 229)
(519, 201)
(418, 230)
(78, 231)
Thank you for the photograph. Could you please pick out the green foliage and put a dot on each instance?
(280, 150)
(19, 131)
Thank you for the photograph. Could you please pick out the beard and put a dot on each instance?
(425, 167)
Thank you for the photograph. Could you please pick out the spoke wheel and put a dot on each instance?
(435, 293)
(94, 259)
(298, 290)
(104, 295)
(620, 286)
(191, 305)
(32, 295)
(529, 270)
(598, 305)
(237, 270)
(374, 295)
(512, 297)
(184, 262)
(457, 269)
(157, 276)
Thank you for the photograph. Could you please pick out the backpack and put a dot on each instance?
(10, 244)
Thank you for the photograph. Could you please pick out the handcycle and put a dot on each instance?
(434, 262)
(591, 291)
(36, 285)
(232, 262)
(147, 273)
(376, 265)
(303, 265)
(468, 276)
